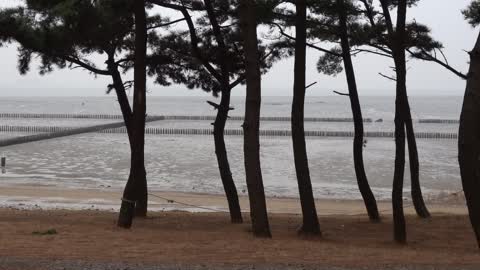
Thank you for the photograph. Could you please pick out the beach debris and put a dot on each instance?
(47, 232)
(379, 120)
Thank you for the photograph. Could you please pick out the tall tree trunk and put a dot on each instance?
(367, 194)
(221, 119)
(141, 205)
(222, 158)
(135, 185)
(251, 125)
(417, 196)
(469, 141)
(400, 233)
(310, 219)
(396, 39)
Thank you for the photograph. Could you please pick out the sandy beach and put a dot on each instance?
(183, 240)
(51, 198)
(208, 239)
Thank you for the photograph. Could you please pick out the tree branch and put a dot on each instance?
(193, 36)
(217, 107)
(341, 94)
(165, 24)
(241, 78)
(310, 85)
(222, 48)
(85, 65)
(423, 55)
(356, 51)
(282, 32)
(369, 12)
(388, 19)
(387, 77)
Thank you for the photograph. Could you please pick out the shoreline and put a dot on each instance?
(108, 199)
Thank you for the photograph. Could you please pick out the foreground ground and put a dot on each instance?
(90, 240)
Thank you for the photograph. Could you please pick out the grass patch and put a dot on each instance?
(47, 232)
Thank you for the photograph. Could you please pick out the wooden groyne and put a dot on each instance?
(263, 118)
(167, 117)
(439, 121)
(59, 116)
(202, 118)
(54, 131)
(50, 132)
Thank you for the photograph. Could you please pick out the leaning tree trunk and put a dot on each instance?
(367, 194)
(222, 158)
(251, 125)
(417, 196)
(221, 119)
(135, 186)
(142, 203)
(469, 141)
(310, 219)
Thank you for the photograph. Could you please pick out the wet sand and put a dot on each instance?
(35, 197)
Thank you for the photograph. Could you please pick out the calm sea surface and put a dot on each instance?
(332, 106)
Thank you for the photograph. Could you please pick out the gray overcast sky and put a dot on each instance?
(443, 16)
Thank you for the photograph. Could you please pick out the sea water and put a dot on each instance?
(187, 163)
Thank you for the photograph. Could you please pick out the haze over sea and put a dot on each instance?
(187, 163)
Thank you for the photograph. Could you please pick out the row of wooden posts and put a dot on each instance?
(204, 117)
(233, 132)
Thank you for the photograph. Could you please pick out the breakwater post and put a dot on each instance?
(3, 164)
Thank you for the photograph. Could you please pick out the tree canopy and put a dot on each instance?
(472, 13)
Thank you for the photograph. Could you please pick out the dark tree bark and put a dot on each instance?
(416, 190)
(122, 97)
(397, 44)
(222, 158)
(469, 141)
(400, 232)
(367, 194)
(221, 119)
(310, 220)
(141, 205)
(251, 145)
(417, 196)
(223, 78)
(135, 186)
